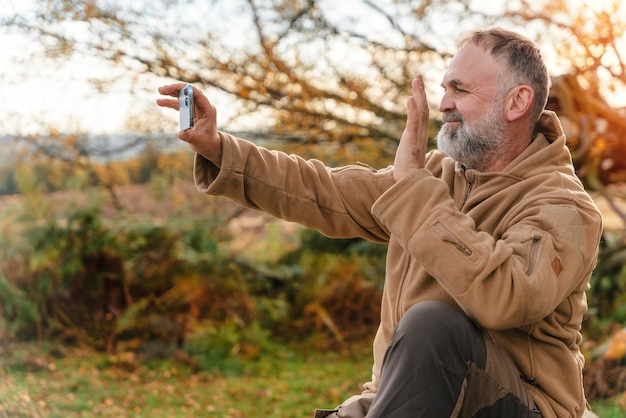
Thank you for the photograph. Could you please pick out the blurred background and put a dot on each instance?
(125, 292)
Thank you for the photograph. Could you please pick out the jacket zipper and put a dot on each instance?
(468, 190)
(450, 237)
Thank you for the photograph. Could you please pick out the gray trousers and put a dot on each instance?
(440, 364)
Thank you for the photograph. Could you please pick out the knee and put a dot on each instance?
(438, 327)
(431, 315)
(434, 321)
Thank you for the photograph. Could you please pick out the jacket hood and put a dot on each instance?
(548, 151)
(550, 126)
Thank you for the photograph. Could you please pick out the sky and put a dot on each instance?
(38, 95)
(58, 96)
(61, 94)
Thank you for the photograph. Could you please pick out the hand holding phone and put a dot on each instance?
(186, 107)
(195, 111)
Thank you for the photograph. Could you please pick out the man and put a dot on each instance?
(491, 239)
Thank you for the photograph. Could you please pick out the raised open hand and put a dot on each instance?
(411, 152)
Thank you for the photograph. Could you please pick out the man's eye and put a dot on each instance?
(455, 89)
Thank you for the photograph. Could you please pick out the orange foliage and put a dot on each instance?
(616, 349)
(596, 132)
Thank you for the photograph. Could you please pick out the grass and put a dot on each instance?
(41, 381)
(610, 408)
(87, 384)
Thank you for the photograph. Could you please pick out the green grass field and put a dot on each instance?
(43, 382)
(85, 384)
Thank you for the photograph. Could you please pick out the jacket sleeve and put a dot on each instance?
(334, 201)
(546, 253)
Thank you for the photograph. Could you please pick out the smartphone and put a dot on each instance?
(185, 107)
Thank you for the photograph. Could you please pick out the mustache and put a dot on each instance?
(452, 116)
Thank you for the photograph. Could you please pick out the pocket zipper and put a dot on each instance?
(534, 248)
(450, 237)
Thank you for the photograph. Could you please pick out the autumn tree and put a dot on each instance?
(311, 71)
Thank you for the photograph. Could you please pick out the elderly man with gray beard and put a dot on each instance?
(491, 238)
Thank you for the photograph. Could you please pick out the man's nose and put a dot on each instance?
(446, 103)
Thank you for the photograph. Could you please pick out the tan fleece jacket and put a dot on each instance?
(514, 249)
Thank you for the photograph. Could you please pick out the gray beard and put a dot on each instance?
(475, 145)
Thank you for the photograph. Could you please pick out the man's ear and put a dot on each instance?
(519, 101)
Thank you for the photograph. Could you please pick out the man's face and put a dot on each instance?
(473, 143)
(474, 124)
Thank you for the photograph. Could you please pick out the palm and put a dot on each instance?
(411, 151)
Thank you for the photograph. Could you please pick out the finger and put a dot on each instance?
(184, 136)
(420, 110)
(169, 103)
(203, 105)
(171, 89)
(419, 96)
(411, 112)
(201, 100)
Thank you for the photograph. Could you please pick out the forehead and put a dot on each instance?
(472, 66)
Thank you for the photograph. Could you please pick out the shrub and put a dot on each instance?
(86, 279)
